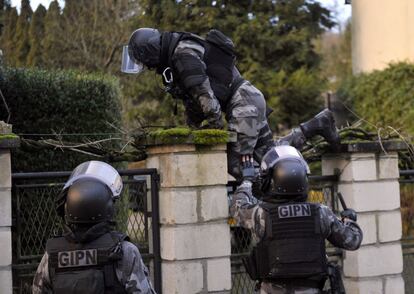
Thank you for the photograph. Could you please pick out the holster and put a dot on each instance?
(335, 279)
(249, 263)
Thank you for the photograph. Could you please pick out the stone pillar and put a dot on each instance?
(195, 236)
(7, 141)
(368, 181)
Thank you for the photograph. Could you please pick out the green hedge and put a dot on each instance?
(43, 102)
(384, 98)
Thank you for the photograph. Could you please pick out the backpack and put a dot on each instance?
(221, 41)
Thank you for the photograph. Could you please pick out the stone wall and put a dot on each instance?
(369, 184)
(7, 141)
(195, 236)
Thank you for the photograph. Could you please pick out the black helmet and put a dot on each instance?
(89, 193)
(284, 174)
(144, 47)
(88, 201)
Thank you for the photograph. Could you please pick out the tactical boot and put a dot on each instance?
(322, 124)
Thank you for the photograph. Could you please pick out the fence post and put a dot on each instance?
(195, 236)
(368, 181)
(7, 141)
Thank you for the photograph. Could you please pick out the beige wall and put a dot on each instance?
(383, 32)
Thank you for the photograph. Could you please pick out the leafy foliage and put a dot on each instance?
(337, 61)
(44, 102)
(36, 34)
(21, 37)
(385, 98)
(274, 42)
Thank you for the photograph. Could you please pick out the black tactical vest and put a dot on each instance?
(223, 75)
(293, 249)
(85, 268)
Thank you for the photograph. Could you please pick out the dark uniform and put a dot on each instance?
(126, 271)
(89, 257)
(290, 253)
(202, 73)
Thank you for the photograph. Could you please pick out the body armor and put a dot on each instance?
(85, 267)
(219, 59)
(293, 248)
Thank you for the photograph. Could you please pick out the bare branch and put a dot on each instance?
(5, 106)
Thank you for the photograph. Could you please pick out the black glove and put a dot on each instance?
(214, 123)
(247, 165)
(350, 214)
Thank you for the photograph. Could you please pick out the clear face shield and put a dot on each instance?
(278, 153)
(129, 66)
(100, 171)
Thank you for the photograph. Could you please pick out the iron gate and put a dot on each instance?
(35, 219)
(322, 190)
(407, 214)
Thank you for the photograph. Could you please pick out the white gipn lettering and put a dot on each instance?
(77, 258)
(294, 210)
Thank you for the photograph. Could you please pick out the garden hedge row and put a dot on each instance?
(60, 102)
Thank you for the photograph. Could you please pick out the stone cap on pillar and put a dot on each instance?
(186, 140)
(373, 147)
(8, 140)
(189, 158)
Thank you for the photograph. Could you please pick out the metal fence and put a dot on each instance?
(35, 220)
(323, 190)
(407, 214)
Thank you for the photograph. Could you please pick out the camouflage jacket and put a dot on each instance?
(130, 271)
(245, 111)
(247, 212)
(203, 103)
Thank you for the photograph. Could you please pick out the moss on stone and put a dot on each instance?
(174, 135)
(185, 135)
(174, 132)
(8, 137)
(210, 137)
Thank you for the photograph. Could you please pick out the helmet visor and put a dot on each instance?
(100, 171)
(129, 64)
(278, 153)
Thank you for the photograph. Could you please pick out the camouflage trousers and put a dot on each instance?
(246, 115)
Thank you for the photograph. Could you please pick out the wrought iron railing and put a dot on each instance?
(407, 214)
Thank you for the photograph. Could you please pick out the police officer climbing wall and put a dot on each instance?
(290, 232)
(89, 257)
(202, 73)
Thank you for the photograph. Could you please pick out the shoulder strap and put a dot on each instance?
(269, 208)
(115, 255)
(116, 252)
(169, 41)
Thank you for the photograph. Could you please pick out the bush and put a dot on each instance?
(384, 98)
(61, 102)
(295, 97)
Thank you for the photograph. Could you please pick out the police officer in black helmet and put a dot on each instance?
(290, 232)
(90, 257)
(202, 73)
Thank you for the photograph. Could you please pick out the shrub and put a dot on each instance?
(61, 102)
(384, 98)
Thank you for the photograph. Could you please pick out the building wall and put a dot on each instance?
(382, 32)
